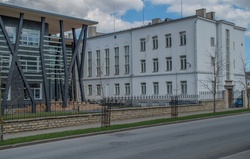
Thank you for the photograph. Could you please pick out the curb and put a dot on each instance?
(113, 131)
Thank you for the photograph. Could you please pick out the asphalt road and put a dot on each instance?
(225, 138)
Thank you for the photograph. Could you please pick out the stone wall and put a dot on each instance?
(15, 126)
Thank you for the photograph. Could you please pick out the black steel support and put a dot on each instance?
(45, 79)
(66, 70)
(82, 63)
(14, 52)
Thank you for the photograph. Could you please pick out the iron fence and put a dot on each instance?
(22, 111)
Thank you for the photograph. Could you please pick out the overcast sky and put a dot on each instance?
(123, 14)
(104, 11)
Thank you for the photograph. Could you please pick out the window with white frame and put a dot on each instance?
(183, 38)
(143, 88)
(98, 63)
(127, 88)
(212, 41)
(11, 31)
(169, 88)
(98, 90)
(155, 42)
(3, 86)
(183, 62)
(89, 90)
(155, 65)
(116, 60)
(30, 37)
(89, 64)
(143, 44)
(117, 89)
(183, 87)
(107, 62)
(168, 63)
(155, 88)
(143, 66)
(30, 64)
(126, 48)
(36, 90)
(168, 40)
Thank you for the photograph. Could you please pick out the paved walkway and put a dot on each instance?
(30, 133)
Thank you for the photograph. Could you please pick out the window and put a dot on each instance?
(36, 90)
(155, 42)
(30, 37)
(155, 65)
(117, 89)
(212, 61)
(168, 40)
(11, 31)
(183, 87)
(212, 41)
(98, 63)
(89, 64)
(155, 88)
(98, 90)
(183, 38)
(168, 63)
(116, 60)
(30, 64)
(143, 88)
(126, 59)
(169, 88)
(143, 44)
(127, 89)
(183, 61)
(143, 66)
(3, 86)
(107, 62)
(89, 90)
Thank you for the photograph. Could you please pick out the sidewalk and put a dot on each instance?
(46, 131)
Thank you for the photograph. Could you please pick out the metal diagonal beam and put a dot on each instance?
(45, 79)
(76, 48)
(66, 71)
(77, 56)
(14, 61)
(82, 63)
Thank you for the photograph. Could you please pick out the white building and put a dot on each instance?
(165, 57)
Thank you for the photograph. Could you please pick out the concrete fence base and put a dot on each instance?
(15, 126)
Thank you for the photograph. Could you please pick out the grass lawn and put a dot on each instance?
(115, 127)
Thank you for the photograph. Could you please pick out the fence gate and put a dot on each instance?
(174, 107)
(106, 113)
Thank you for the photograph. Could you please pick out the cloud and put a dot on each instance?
(236, 11)
(109, 12)
(106, 12)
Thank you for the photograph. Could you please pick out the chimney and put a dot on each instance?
(210, 15)
(92, 31)
(201, 12)
(156, 20)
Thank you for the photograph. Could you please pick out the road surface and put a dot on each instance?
(224, 138)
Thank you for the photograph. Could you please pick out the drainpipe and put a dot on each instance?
(195, 56)
(131, 61)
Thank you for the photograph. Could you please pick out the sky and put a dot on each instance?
(115, 15)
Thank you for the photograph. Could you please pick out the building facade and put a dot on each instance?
(169, 57)
(37, 62)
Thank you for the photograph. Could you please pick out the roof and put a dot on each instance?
(51, 18)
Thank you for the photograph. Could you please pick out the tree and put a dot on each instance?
(214, 73)
(244, 80)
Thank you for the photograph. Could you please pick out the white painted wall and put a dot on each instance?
(197, 50)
